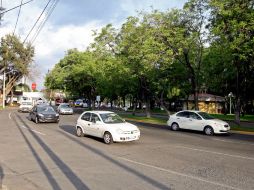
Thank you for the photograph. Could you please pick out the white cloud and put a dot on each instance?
(55, 40)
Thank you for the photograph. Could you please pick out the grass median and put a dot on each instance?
(163, 121)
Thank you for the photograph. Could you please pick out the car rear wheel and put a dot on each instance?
(209, 130)
(80, 132)
(174, 127)
(107, 137)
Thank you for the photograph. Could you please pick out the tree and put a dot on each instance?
(232, 25)
(16, 59)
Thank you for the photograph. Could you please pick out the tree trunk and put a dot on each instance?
(148, 110)
(161, 100)
(134, 107)
(238, 102)
(193, 78)
(123, 101)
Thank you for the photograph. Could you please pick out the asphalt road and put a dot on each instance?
(50, 156)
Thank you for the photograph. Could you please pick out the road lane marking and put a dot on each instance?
(178, 173)
(218, 153)
(10, 115)
(33, 130)
(233, 142)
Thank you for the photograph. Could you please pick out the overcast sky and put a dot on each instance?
(70, 25)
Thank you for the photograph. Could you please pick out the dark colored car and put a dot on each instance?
(43, 113)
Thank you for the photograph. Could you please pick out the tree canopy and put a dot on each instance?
(166, 56)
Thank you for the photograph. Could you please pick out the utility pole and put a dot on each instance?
(4, 90)
(1, 10)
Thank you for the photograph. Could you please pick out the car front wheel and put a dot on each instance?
(209, 130)
(107, 138)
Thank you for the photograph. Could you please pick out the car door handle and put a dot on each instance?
(88, 124)
(178, 118)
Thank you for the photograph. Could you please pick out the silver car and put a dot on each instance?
(64, 109)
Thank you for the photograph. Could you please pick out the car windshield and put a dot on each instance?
(111, 118)
(205, 116)
(26, 103)
(65, 106)
(45, 109)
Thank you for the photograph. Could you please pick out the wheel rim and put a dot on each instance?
(208, 131)
(107, 138)
(174, 127)
(79, 132)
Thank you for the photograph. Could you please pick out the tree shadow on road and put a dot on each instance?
(1, 177)
(66, 170)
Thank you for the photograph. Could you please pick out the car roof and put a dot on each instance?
(43, 105)
(195, 111)
(99, 111)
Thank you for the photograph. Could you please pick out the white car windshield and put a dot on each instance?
(111, 118)
(65, 106)
(26, 103)
(206, 116)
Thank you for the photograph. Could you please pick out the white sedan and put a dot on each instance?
(199, 121)
(107, 125)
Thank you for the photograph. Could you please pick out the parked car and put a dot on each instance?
(43, 113)
(199, 121)
(78, 103)
(107, 125)
(64, 108)
(25, 107)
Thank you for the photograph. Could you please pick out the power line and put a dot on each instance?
(48, 14)
(37, 21)
(17, 18)
(14, 7)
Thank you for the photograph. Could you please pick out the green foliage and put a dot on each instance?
(164, 55)
(15, 55)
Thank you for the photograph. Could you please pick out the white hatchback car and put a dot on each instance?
(107, 125)
(199, 121)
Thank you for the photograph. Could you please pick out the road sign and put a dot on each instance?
(33, 86)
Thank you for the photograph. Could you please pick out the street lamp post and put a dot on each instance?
(230, 95)
(4, 89)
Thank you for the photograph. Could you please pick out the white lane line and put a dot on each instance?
(218, 153)
(10, 115)
(233, 142)
(178, 173)
(33, 130)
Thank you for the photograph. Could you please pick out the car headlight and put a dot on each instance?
(120, 131)
(41, 115)
(57, 115)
